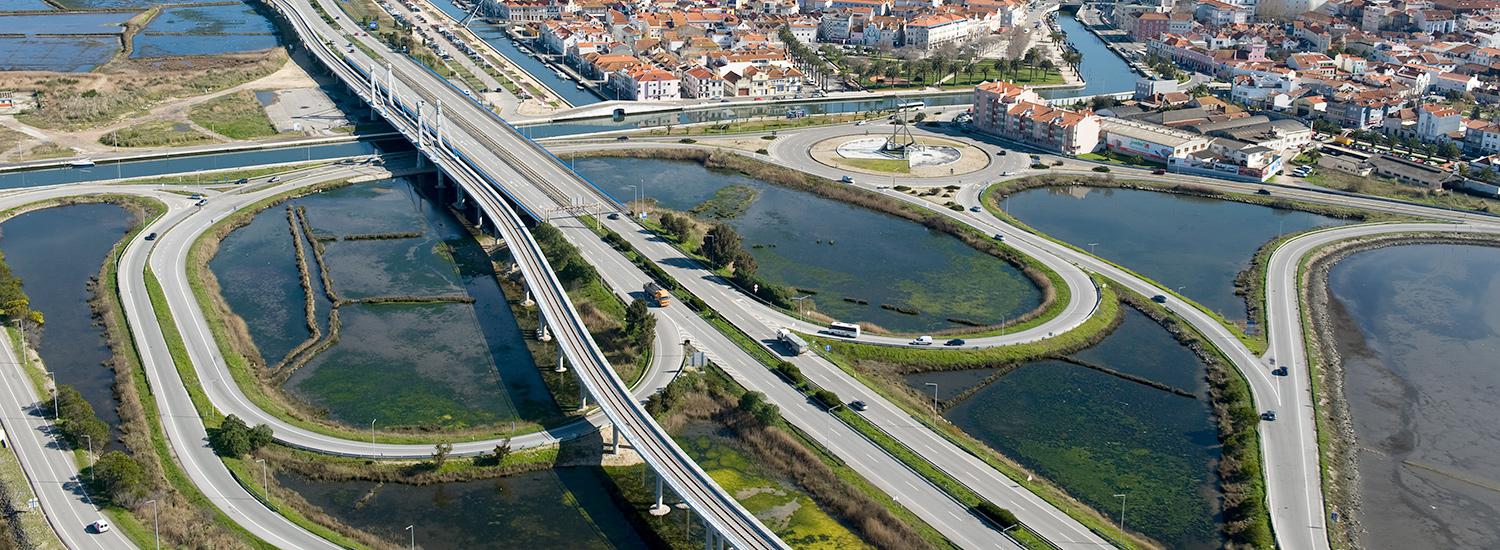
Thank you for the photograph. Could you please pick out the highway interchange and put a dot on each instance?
(1288, 445)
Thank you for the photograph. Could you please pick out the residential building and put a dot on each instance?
(1013, 112)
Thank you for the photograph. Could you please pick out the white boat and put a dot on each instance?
(561, 74)
(580, 86)
(82, 163)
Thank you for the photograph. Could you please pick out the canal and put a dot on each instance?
(839, 251)
(56, 252)
(496, 36)
(1195, 245)
(1103, 71)
(1097, 435)
(1418, 330)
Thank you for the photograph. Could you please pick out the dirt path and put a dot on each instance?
(289, 76)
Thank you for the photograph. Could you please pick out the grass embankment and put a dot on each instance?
(237, 348)
(236, 116)
(129, 87)
(9, 139)
(187, 517)
(1257, 342)
(890, 166)
(1382, 187)
(160, 133)
(226, 176)
(742, 442)
(46, 151)
(1055, 295)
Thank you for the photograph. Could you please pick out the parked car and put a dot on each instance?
(954, 342)
(922, 341)
(1160, 299)
(858, 405)
(1268, 416)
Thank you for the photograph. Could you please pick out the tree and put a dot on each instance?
(502, 450)
(440, 454)
(119, 477)
(234, 438)
(765, 412)
(640, 324)
(1448, 149)
(721, 245)
(76, 418)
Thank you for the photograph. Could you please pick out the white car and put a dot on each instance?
(101, 526)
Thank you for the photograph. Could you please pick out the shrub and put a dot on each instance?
(687, 140)
(1039, 166)
(234, 438)
(902, 188)
(764, 412)
(955, 207)
(1101, 168)
(119, 478)
(1002, 517)
(827, 398)
(77, 420)
(762, 152)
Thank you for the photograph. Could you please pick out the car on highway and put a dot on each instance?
(623, 138)
(1279, 371)
(151, 236)
(858, 405)
(846, 179)
(242, 181)
(1158, 171)
(922, 341)
(614, 215)
(1003, 152)
(100, 526)
(201, 202)
(272, 179)
(1268, 416)
(1160, 299)
(1262, 191)
(1000, 237)
(975, 209)
(954, 342)
(861, 123)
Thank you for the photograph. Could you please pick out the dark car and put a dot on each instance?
(1000, 236)
(623, 138)
(1268, 416)
(1279, 371)
(1160, 299)
(1262, 191)
(858, 405)
(614, 215)
(242, 181)
(954, 342)
(1158, 171)
(1003, 152)
(151, 236)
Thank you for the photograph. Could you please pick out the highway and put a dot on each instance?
(49, 463)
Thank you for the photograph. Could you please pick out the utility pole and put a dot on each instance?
(1122, 510)
(90, 441)
(263, 486)
(155, 525)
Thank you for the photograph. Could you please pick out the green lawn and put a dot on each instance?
(891, 166)
(236, 116)
(1381, 187)
(161, 133)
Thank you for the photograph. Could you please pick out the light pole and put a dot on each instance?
(1091, 248)
(413, 530)
(633, 192)
(372, 436)
(1122, 510)
(933, 385)
(90, 441)
(155, 525)
(801, 301)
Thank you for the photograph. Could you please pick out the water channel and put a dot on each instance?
(558, 508)
(1193, 244)
(72, 346)
(1098, 435)
(839, 250)
(1418, 332)
(449, 365)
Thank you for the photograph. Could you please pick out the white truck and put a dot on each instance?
(796, 343)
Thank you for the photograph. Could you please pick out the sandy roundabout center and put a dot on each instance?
(928, 157)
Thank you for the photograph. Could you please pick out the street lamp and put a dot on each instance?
(155, 525)
(1122, 510)
(90, 441)
(1091, 248)
(263, 486)
(933, 385)
(801, 301)
(413, 530)
(372, 437)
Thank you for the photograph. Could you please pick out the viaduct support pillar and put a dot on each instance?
(660, 508)
(614, 443)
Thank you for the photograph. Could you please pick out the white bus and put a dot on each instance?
(910, 106)
(847, 330)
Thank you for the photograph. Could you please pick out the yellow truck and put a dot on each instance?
(658, 295)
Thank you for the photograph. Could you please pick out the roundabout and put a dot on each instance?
(921, 156)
